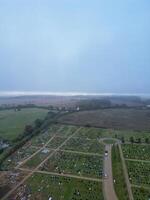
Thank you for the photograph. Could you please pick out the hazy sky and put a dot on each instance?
(75, 45)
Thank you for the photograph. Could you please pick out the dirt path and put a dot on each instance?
(63, 175)
(136, 160)
(36, 169)
(78, 152)
(126, 174)
(108, 186)
(139, 186)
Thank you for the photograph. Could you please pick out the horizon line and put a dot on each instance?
(46, 93)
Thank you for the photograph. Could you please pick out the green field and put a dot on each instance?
(41, 186)
(119, 185)
(12, 123)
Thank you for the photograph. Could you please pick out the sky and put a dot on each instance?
(75, 46)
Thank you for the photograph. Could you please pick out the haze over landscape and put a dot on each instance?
(80, 46)
(74, 100)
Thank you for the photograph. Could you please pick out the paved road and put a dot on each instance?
(108, 187)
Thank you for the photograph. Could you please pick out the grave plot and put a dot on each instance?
(90, 133)
(55, 128)
(76, 164)
(41, 139)
(84, 145)
(66, 130)
(9, 180)
(135, 151)
(56, 142)
(18, 157)
(37, 159)
(44, 187)
(139, 173)
(141, 193)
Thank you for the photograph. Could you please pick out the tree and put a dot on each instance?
(132, 139)
(38, 123)
(139, 140)
(147, 140)
(122, 140)
(28, 129)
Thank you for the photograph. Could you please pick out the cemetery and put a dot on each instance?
(84, 145)
(37, 159)
(136, 151)
(76, 164)
(19, 156)
(56, 142)
(41, 186)
(139, 172)
(141, 193)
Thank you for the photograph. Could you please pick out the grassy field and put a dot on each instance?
(120, 185)
(12, 123)
(41, 186)
(125, 119)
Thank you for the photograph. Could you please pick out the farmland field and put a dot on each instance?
(12, 123)
(118, 118)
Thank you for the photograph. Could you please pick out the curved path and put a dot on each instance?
(108, 186)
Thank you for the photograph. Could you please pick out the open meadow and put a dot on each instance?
(12, 123)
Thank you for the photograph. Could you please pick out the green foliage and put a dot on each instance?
(120, 185)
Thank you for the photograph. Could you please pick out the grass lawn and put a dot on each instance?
(120, 185)
(41, 186)
(12, 123)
